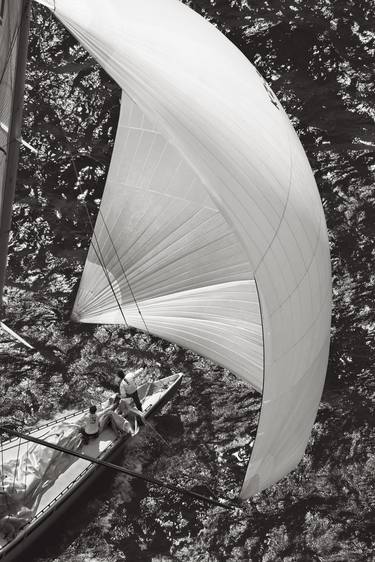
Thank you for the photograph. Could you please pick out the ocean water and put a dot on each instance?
(318, 58)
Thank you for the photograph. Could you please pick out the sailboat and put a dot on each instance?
(211, 232)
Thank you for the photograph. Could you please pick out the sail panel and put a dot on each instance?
(221, 322)
(211, 106)
(156, 223)
(9, 29)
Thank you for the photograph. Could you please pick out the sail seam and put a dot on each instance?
(284, 209)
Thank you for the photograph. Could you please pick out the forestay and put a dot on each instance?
(212, 212)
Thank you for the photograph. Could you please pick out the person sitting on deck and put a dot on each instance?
(91, 428)
(116, 421)
(128, 412)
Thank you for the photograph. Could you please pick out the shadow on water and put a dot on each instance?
(75, 519)
(222, 423)
(170, 426)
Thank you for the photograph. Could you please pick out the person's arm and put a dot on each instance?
(131, 375)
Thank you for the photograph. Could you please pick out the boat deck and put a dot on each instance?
(55, 475)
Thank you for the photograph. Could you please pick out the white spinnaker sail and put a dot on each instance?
(233, 169)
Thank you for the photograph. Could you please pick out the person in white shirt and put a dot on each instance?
(128, 388)
(91, 428)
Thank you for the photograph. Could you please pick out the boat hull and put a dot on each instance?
(15, 549)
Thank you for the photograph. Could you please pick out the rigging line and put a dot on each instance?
(155, 432)
(2, 476)
(121, 266)
(97, 249)
(122, 469)
(113, 244)
(11, 47)
(26, 463)
(17, 461)
(123, 271)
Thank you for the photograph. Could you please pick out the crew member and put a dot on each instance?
(91, 427)
(128, 388)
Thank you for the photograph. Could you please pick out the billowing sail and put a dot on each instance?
(172, 250)
(10, 20)
(211, 232)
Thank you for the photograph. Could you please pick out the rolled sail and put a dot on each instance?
(211, 232)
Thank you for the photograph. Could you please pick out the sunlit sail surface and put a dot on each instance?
(211, 225)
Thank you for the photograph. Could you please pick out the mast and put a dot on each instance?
(13, 144)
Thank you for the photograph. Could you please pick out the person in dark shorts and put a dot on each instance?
(128, 388)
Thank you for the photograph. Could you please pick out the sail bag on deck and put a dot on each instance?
(211, 224)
